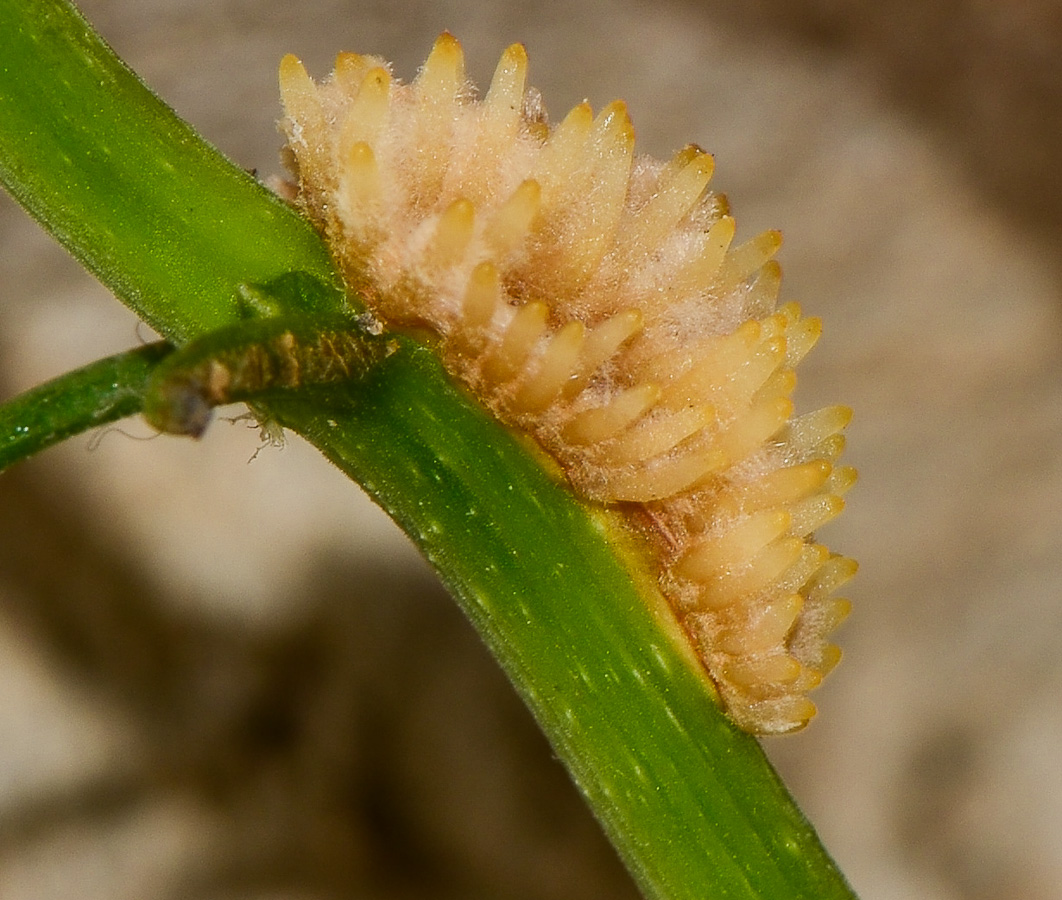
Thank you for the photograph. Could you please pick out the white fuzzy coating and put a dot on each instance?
(595, 299)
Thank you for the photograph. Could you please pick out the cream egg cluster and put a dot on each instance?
(595, 299)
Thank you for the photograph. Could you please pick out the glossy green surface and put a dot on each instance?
(157, 214)
(94, 395)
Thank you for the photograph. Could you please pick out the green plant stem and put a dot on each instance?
(157, 214)
(690, 802)
(688, 799)
(97, 394)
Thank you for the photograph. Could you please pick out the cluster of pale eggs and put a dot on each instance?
(593, 298)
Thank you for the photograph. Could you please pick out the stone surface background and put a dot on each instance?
(232, 680)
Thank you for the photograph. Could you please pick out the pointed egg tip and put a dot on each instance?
(722, 232)
(447, 54)
(452, 233)
(581, 110)
(377, 79)
(578, 121)
(514, 57)
(842, 607)
(615, 120)
(703, 164)
(769, 281)
(814, 325)
(447, 43)
(360, 162)
(844, 478)
(459, 214)
(442, 75)
(485, 276)
(831, 656)
(507, 86)
(292, 73)
(528, 194)
(686, 155)
(481, 296)
(803, 712)
(513, 219)
(348, 62)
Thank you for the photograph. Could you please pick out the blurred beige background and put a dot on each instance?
(232, 680)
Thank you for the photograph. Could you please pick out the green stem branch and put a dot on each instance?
(94, 395)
